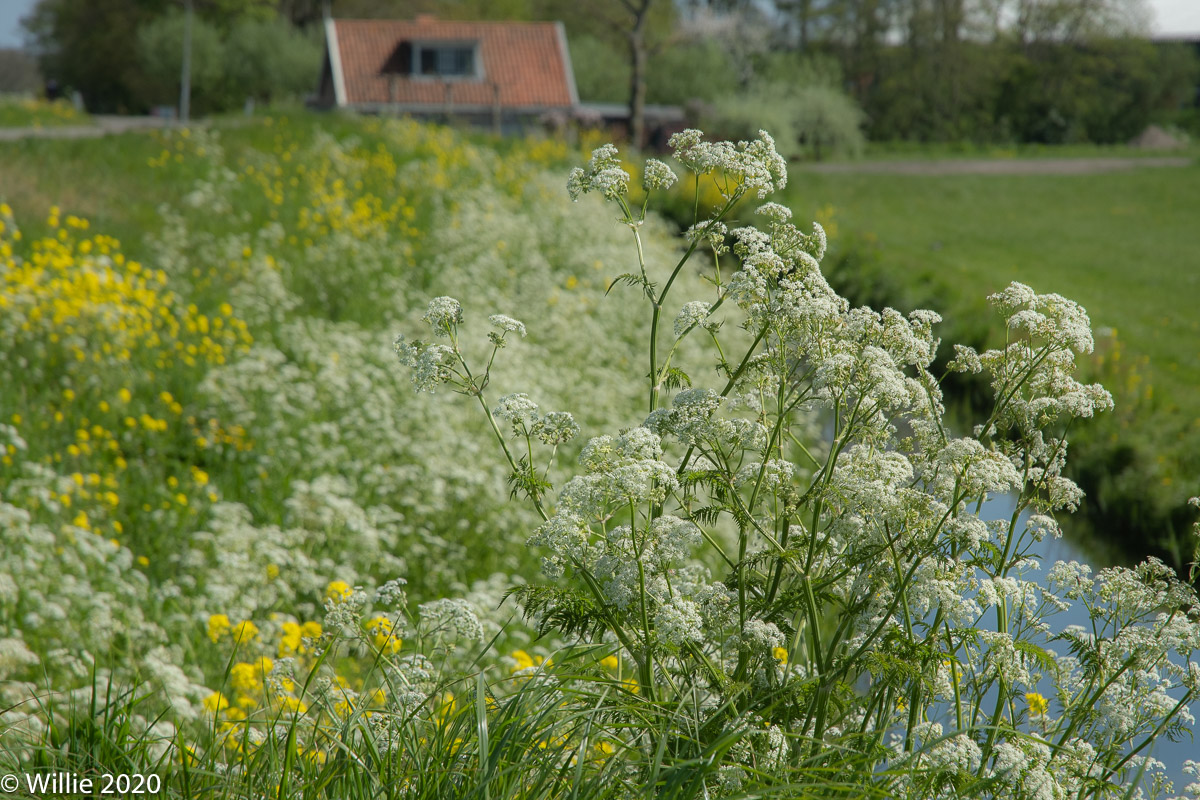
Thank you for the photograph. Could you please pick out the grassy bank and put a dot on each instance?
(1124, 244)
(17, 111)
(247, 553)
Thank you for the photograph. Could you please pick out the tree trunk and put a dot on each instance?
(804, 16)
(637, 87)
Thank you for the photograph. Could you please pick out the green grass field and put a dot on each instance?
(17, 111)
(1125, 245)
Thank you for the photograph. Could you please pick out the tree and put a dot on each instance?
(639, 10)
(18, 73)
(90, 45)
(642, 26)
(268, 59)
(160, 52)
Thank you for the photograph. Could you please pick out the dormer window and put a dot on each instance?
(436, 60)
(444, 60)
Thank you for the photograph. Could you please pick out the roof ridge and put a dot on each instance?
(450, 21)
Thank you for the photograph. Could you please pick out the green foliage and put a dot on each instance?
(160, 53)
(269, 59)
(678, 74)
(601, 72)
(1105, 91)
(228, 13)
(812, 121)
(690, 71)
(126, 55)
(263, 59)
(91, 45)
(939, 95)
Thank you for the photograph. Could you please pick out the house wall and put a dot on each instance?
(326, 98)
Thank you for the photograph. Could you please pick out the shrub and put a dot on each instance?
(811, 121)
(270, 60)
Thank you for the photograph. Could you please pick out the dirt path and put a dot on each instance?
(999, 166)
(101, 126)
(105, 125)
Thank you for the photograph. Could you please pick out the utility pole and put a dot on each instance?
(185, 79)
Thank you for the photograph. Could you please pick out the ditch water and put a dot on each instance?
(1172, 754)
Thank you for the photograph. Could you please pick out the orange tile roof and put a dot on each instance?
(527, 60)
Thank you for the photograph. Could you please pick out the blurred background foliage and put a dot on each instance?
(829, 72)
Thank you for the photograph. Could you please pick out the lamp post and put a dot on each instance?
(185, 79)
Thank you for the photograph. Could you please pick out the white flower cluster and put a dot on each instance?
(603, 174)
(553, 428)
(712, 233)
(431, 364)
(692, 420)
(691, 315)
(755, 165)
(621, 470)
(443, 315)
(507, 324)
(556, 427)
(629, 564)
(519, 411)
(870, 552)
(657, 175)
(450, 614)
(1042, 360)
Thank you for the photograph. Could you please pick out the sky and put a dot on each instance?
(1172, 17)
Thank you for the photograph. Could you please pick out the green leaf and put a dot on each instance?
(566, 610)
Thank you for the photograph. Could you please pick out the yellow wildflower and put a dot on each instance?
(380, 630)
(289, 642)
(338, 591)
(446, 707)
(218, 626)
(293, 705)
(1038, 705)
(525, 661)
(244, 631)
(216, 702)
(244, 677)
